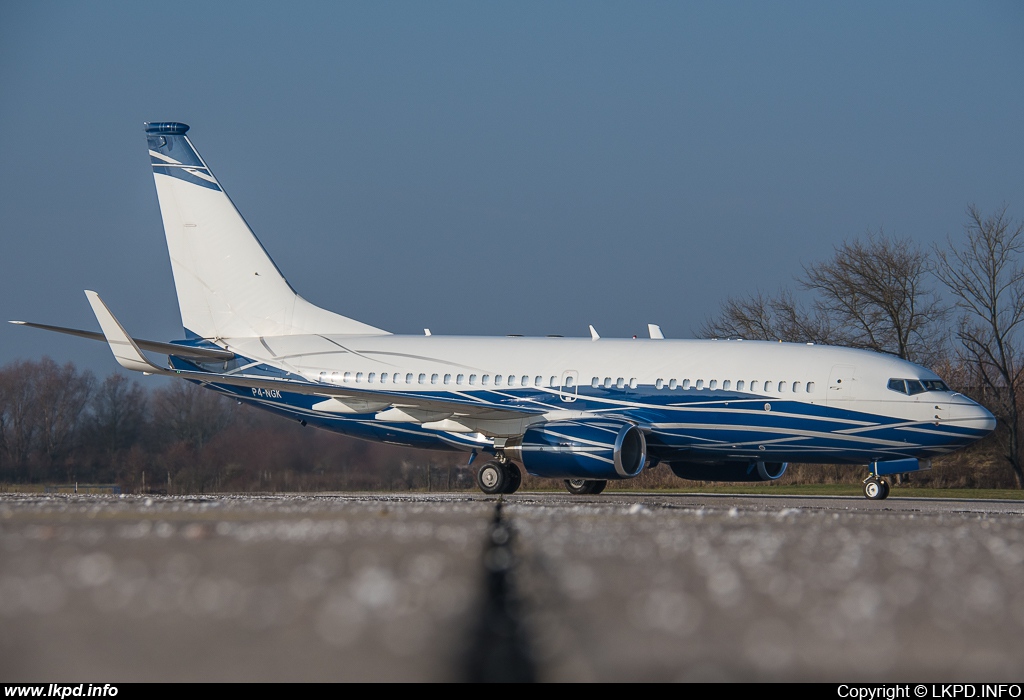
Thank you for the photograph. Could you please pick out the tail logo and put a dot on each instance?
(172, 154)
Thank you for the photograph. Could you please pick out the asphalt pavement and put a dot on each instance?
(464, 587)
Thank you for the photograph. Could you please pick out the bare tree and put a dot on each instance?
(118, 414)
(61, 394)
(764, 317)
(986, 276)
(876, 289)
(20, 410)
(190, 413)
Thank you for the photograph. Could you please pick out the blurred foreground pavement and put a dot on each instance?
(617, 587)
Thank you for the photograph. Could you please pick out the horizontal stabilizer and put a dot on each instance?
(183, 351)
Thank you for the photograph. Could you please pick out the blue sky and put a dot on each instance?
(492, 168)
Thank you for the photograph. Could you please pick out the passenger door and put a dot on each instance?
(842, 384)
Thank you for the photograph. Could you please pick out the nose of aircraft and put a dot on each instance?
(969, 414)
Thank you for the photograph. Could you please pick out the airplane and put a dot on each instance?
(582, 410)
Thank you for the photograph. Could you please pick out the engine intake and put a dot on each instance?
(729, 471)
(583, 449)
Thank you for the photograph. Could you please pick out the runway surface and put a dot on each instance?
(451, 587)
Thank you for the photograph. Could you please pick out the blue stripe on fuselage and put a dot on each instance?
(685, 424)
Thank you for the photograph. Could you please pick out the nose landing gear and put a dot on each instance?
(876, 488)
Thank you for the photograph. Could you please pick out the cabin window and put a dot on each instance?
(554, 382)
(935, 385)
(739, 385)
(619, 383)
(372, 377)
(383, 377)
(359, 377)
(525, 380)
(632, 382)
(485, 380)
(672, 384)
(700, 384)
(433, 379)
(497, 380)
(538, 380)
(511, 380)
(782, 387)
(767, 386)
(422, 378)
(595, 382)
(607, 382)
(810, 387)
(460, 378)
(753, 385)
(686, 384)
(408, 378)
(447, 379)
(347, 377)
(713, 384)
(796, 387)
(570, 382)
(726, 385)
(659, 383)
(472, 379)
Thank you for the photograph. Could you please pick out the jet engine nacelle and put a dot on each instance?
(729, 471)
(580, 449)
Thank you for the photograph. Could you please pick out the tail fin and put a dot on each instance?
(228, 287)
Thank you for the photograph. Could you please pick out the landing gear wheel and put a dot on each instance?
(492, 478)
(876, 489)
(514, 476)
(585, 487)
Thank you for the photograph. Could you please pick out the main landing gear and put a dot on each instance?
(499, 476)
(585, 487)
(876, 488)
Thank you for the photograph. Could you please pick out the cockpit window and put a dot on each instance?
(916, 386)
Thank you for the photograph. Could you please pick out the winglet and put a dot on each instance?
(126, 352)
(654, 330)
(593, 334)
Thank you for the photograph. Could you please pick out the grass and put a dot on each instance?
(751, 489)
(842, 490)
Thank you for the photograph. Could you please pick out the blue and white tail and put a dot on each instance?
(228, 287)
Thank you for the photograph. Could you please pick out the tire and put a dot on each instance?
(514, 476)
(577, 487)
(885, 488)
(873, 490)
(585, 487)
(492, 478)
